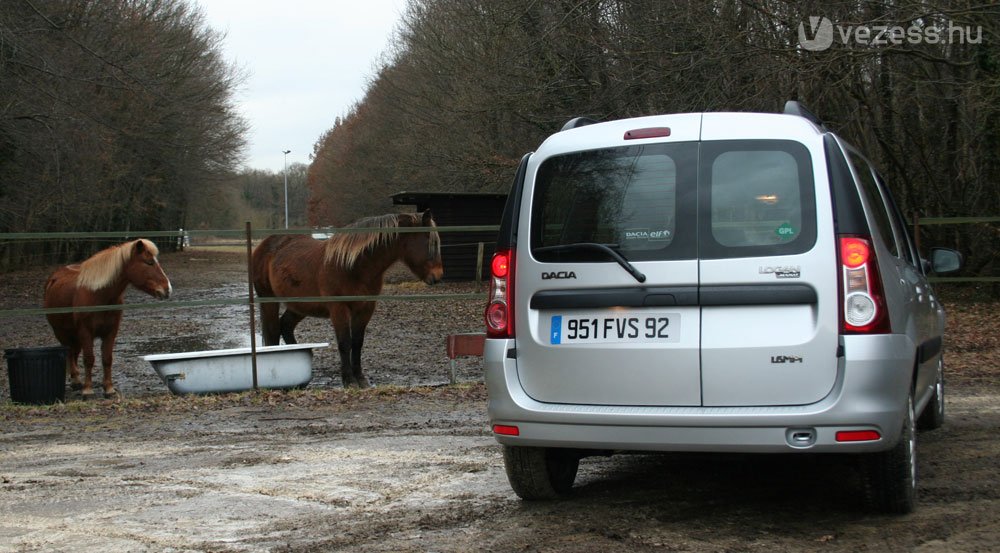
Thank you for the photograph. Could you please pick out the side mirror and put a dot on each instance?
(944, 260)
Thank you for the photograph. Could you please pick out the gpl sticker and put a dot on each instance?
(785, 231)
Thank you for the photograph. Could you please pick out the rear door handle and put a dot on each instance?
(675, 296)
(631, 296)
(758, 294)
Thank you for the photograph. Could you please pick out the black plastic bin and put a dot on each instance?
(37, 375)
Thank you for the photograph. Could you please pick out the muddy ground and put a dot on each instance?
(410, 465)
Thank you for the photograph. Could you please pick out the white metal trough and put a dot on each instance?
(230, 370)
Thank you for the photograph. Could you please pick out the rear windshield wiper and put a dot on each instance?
(604, 248)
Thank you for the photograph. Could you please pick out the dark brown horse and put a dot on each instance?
(100, 280)
(346, 264)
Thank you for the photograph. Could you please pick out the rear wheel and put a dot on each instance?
(539, 472)
(891, 476)
(933, 415)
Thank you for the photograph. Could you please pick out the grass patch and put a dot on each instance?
(345, 398)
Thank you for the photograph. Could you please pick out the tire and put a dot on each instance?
(540, 473)
(933, 415)
(891, 476)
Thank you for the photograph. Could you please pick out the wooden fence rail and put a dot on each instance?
(249, 235)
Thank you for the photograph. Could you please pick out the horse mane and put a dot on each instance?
(345, 249)
(105, 266)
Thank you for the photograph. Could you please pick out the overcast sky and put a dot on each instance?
(308, 62)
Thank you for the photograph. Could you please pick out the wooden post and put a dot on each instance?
(459, 345)
(479, 266)
(253, 321)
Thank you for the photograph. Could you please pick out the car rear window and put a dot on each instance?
(757, 199)
(636, 199)
(742, 197)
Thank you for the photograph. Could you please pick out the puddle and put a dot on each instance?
(148, 345)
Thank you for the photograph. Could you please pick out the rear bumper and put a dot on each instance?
(869, 394)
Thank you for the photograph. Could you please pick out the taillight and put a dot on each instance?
(500, 309)
(500, 266)
(862, 302)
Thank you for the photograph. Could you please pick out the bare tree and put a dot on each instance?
(473, 84)
(114, 114)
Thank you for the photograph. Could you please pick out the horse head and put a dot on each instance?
(143, 270)
(422, 250)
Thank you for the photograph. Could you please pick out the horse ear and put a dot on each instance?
(139, 246)
(428, 218)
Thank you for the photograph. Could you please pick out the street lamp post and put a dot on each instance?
(286, 186)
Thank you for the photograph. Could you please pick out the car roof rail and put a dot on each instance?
(793, 107)
(577, 122)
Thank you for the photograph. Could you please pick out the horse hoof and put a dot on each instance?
(75, 386)
(113, 394)
(87, 395)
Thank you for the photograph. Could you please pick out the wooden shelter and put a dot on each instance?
(450, 209)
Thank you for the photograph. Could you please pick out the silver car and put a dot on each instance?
(713, 282)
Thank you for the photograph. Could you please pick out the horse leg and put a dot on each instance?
(359, 322)
(358, 340)
(88, 366)
(73, 366)
(269, 323)
(289, 321)
(340, 319)
(107, 356)
(69, 339)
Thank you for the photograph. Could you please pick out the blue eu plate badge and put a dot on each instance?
(556, 329)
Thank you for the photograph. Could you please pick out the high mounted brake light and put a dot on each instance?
(862, 301)
(500, 309)
(651, 132)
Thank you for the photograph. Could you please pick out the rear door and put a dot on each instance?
(739, 302)
(589, 332)
(767, 273)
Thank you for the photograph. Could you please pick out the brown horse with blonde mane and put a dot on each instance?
(100, 280)
(346, 264)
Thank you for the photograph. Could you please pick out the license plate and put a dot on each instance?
(618, 327)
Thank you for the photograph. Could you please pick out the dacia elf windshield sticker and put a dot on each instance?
(785, 231)
(660, 235)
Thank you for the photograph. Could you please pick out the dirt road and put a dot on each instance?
(410, 465)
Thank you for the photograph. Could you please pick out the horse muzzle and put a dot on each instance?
(434, 277)
(163, 293)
